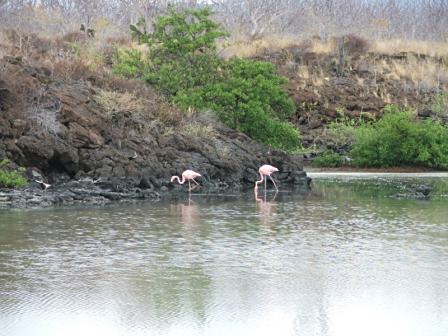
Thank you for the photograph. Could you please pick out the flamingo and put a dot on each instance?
(187, 175)
(43, 185)
(266, 170)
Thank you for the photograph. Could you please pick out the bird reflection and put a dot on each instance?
(188, 211)
(266, 208)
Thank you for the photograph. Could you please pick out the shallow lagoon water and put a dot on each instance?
(346, 259)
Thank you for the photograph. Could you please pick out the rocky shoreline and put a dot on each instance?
(70, 194)
(95, 152)
(90, 193)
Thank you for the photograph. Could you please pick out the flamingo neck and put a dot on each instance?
(179, 180)
(256, 183)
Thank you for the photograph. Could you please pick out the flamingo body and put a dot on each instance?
(266, 170)
(187, 175)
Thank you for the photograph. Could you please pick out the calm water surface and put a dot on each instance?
(344, 260)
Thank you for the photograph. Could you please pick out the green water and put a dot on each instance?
(346, 259)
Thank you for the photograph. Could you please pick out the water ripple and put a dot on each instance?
(227, 267)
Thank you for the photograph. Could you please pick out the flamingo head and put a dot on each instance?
(172, 178)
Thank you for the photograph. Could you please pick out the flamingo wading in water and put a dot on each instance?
(266, 170)
(187, 175)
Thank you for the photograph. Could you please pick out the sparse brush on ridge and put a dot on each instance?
(440, 104)
(119, 103)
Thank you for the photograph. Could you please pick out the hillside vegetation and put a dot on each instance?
(329, 89)
(183, 64)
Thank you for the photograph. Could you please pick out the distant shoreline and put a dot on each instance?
(370, 173)
(351, 169)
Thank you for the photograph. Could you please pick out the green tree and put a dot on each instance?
(182, 63)
(183, 51)
(250, 99)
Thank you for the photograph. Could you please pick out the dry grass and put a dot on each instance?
(303, 72)
(95, 54)
(69, 69)
(307, 75)
(244, 48)
(323, 47)
(429, 48)
(167, 113)
(425, 74)
(199, 130)
(115, 103)
(144, 106)
(189, 125)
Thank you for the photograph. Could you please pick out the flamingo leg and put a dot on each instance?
(189, 186)
(195, 181)
(273, 182)
(264, 178)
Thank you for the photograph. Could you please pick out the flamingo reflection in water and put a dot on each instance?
(188, 211)
(266, 208)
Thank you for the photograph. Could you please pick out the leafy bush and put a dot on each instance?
(183, 64)
(138, 31)
(343, 131)
(399, 140)
(250, 99)
(328, 159)
(128, 63)
(11, 179)
(440, 104)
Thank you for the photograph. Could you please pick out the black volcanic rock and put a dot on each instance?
(66, 135)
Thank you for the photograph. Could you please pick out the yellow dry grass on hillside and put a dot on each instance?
(430, 48)
(246, 48)
(115, 102)
(422, 72)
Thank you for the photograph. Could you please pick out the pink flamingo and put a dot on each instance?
(266, 170)
(187, 175)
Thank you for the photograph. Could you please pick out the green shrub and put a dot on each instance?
(128, 63)
(398, 139)
(328, 159)
(440, 104)
(138, 31)
(343, 130)
(183, 64)
(250, 99)
(11, 179)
